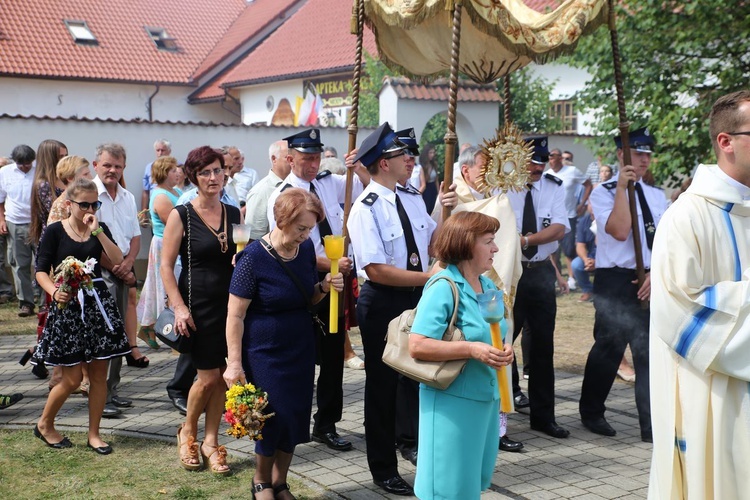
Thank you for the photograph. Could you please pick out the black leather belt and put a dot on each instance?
(532, 265)
(388, 288)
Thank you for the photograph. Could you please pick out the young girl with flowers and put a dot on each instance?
(83, 325)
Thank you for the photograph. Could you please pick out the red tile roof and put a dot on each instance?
(316, 40)
(259, 15)
(439, 90)
(35, 41)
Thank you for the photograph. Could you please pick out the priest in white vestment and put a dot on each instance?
(700, 324)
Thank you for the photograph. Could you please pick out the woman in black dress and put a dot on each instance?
(200, 299)
(270, 332)
(72, 336)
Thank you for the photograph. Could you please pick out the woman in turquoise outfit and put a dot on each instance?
(458, 426)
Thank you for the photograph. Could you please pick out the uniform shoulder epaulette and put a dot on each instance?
(369, 200)
(286, 186)
(323, 174)
(408, 189)
(610, 184)
(554, 179)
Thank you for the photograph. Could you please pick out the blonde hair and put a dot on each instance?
(69, 166)
(161, 167)
(80, 186)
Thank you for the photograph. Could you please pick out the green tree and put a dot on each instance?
(370, 84)
(530, 103)
(678, 57)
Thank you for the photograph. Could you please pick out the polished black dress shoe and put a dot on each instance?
(111, 411)
(409, 454)
(521, 401)
(122, 402)
(63, 443)
(598, 425)
(395, 486)
(101, 450)
(551, 429)
(507, 444)
(180, 404)
(332, 440)
(647, 437)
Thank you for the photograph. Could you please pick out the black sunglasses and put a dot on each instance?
(739, 133)
(85, 205)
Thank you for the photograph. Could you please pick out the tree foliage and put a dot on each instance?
(530, 103)
(370, 84)
(678, 57)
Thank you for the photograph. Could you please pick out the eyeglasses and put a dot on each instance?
(739, 133)
(567, 158)
(400, 153)
(207, 173)
(554, 154)
(85, 205)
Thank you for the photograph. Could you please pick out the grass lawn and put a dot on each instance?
(137, 468)
(11, 324)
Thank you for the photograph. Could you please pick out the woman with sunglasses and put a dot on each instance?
(82, 327)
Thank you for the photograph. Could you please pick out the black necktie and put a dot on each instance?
(648, 219)
(528, 223)
(324, 228)
(412, 260)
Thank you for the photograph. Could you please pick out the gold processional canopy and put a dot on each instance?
(414, 36)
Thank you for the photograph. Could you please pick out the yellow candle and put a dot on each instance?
(502, 374)
(334, 246)
(240, 245)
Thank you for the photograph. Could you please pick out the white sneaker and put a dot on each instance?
(571, 283)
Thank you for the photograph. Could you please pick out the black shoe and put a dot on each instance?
(521, 401)
(121, 402)
(332, 440)
(63, 443)
(26, 357)
(598, 426)
(111, 411)
(101, 450)
(40, 371)
(395, 486)
(507, 444)
(10, 400)
(409, 454)
(647, 437)
(180, 404)
(551, 429)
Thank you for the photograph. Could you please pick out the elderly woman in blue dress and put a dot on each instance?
(458, 426)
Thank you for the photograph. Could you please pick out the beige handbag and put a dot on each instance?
(437, 374)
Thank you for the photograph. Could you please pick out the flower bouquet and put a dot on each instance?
(72, 275)
(244, 411)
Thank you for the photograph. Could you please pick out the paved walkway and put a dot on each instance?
(584, 466)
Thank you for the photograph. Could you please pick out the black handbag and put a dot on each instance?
(318, 325)
(165, 327)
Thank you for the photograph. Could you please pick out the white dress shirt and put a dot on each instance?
(119, 214)
(15, 192)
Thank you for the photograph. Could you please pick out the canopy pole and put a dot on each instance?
(506, 99)
(352, 129)
(626, 157)
(450, 136)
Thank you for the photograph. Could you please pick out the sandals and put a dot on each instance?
(10, 400)
(191, 453)
(282, 487)
(355, 363)
(217, 463)
(147, 334)
(141, 362)
(259, 487)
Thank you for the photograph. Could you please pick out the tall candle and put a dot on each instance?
(334, 247)
(492, 308)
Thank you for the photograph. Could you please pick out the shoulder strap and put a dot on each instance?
(454, 289)
(310, 307)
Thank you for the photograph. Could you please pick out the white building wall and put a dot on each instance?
(85, 99)
(254, 100)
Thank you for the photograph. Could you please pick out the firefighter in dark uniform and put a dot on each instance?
(542, 220)
(620, 320)
(390, 237)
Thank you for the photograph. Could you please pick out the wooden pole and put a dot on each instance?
(626, 158)
(450, 135)
(506, 99)
(353, 129)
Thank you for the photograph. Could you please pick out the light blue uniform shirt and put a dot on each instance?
(478, 381)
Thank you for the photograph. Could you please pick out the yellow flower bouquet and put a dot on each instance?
(244, 411)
